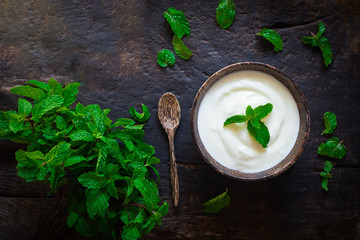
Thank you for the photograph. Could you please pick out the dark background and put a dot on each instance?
(110, 47)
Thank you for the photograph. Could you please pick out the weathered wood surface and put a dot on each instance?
(111, 46)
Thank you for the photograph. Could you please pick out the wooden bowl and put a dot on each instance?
(302, 137)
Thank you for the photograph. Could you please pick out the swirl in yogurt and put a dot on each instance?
(232, 146)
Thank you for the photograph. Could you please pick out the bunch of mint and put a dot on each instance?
(104, 164)
(180, 26)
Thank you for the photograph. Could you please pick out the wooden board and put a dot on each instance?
(110, 47)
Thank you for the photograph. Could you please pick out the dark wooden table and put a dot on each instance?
(111, 46)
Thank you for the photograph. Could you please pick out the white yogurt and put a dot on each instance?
(232, 146)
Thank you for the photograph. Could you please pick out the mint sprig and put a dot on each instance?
(329, 122)
(273, 37)
(256, 128)
(218, 203)
(326, 175)
(105, 165)
(225, 13)
(322, 42)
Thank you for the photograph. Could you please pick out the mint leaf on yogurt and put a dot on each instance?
(257, 129)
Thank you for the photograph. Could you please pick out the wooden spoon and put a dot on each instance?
(169, 114)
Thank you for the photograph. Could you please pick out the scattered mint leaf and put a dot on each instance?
(333, 148)
(225, 13)
(165, 58)
(322, 42)
(235, 119)
(273, 37)
(329, 122)
(142, 117)
(218, 203)
(178, 22)
(28, 91)
(326, 175)
(180, 48)
(256, 128)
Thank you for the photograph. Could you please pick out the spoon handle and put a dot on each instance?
(173, 170)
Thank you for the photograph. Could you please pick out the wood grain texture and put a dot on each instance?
(110, 48)
(169, 114)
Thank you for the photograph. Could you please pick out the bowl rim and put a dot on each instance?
(304, 114)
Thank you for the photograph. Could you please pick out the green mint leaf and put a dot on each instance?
(321, 29)
(148, 191)
(101, 159)
(156, 172)
(97, 202)
(218, 203)
(178, 22)
(28, 91)
(96, 115)
(46, 105)
(69, 93)
(56, 87)
(329, 122)
(153, 161)
(111, 188)
(56, 172)
(322, 42)
(126, 140)
(24, 107)
(60, 123)
(142, 117)
(309, 41)
(255, 123)
(58, 153)
(92, 180)
(43, 85)
(165, 58)
(235, 119)
(249, 112)
(16, 124)
(130, 232)
(261, 134)
(74, 160)
(262, 111)
(273, 37)
(180, 48)
(327, 166)
(333, 148)
(30, 165)
(324, 183)
(225, 13)
(323, 174)
(325, 48)
(81, 135)
(112, 147)
(72, 218)
(122, 122)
